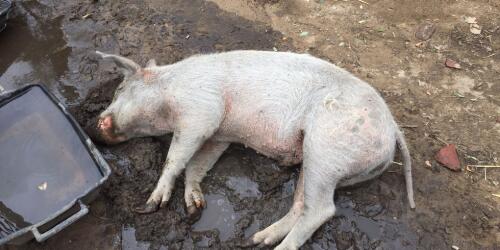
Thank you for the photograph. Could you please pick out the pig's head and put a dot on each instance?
(133, 111)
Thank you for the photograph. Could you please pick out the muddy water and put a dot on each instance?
(33, 51)
(129, 242)
(44, 163)
(219, 215)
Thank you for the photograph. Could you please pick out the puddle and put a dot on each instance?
(52, 168)
(243, 187)
(129, 242)
(219, 215)
(253, 228)
(34, 51)
(392, 233)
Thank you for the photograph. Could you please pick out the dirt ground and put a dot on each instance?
(53, 43)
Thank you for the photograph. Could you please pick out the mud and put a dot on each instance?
(246, 191)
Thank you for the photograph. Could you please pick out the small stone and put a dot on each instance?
(448, 157)
(425, 31)
(470, 20)
(475, 29)
(428, 164)
(452, 64)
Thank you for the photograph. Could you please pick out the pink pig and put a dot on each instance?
(291, 107)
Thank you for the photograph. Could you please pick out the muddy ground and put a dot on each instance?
(52, 43)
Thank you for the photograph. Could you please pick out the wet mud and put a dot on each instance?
(245, 191)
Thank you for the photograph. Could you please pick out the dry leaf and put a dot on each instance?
(470, 20)
(425, 31)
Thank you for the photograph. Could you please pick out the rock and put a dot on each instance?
(452, 64)
(448, 157)
(470, 20)
(475, 29)
(425, 31)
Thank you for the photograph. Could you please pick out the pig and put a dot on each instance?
(291, 107)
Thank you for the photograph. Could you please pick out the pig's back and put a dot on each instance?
(285, 83)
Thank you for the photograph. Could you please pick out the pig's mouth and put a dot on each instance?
(103, 136)
(110, 137)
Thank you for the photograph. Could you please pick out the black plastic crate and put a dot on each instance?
(49, 168)
(5, 6)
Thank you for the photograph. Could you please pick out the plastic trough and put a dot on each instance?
(49, 168)
(5, 6)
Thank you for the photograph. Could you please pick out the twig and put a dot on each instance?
(441, 140)
(361, 1)
(485, 175)
(471, 157)
(398, 163)
(409, 126)
(483, 166)
(496, 195)
(490, 55)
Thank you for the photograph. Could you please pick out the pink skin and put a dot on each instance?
(105, 127)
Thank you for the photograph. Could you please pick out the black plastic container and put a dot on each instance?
(5, 6)
(49, 168)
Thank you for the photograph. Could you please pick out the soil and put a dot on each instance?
(374, 39)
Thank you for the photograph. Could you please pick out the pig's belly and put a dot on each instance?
(286, 150)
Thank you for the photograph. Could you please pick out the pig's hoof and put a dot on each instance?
(193, 214)
(247, 243)
(148, 208)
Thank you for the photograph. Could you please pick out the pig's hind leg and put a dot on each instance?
(325, 163)
(278, 230)
(196, 170)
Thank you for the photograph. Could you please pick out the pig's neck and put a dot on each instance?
(167, 111)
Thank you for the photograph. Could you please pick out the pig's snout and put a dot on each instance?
(105, 124)
(105, 131)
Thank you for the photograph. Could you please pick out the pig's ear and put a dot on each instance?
(151, 63)
(127, 66)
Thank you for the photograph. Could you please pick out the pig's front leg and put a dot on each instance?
(184, 144)
(196, 169)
